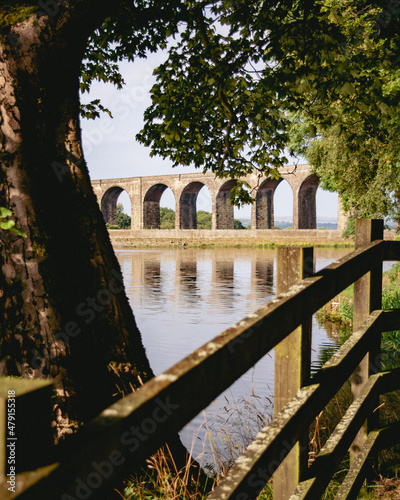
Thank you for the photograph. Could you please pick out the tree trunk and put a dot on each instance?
(63, 310)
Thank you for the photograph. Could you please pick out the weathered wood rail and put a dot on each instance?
(126, 433)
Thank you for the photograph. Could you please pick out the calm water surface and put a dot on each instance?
(182, 298)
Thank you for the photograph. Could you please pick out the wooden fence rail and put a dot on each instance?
(130, 430)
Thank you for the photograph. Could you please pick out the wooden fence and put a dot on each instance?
(126, 433)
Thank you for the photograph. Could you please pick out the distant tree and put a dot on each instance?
(123, 219)
(238, 224)
(282, 224)
(203, 219)
(167, 218)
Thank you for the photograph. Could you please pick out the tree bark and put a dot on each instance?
(64, 313)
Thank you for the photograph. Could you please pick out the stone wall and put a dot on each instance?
(236, 237)
(145, 194)
(227, 237)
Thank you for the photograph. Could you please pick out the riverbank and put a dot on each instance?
(268, 238)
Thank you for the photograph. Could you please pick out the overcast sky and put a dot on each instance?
(111, 150)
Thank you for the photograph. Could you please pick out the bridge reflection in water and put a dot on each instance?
(183, 298)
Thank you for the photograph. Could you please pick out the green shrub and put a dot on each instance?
(350, 229)
(238, 224)
(167, 218)
(346, 309)
(203, 219)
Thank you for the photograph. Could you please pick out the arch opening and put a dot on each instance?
(204, 209)
(151, 206)
(242, 214)
(116, 206)
(283, 204)
(265, 217)
(167, 210)
(327, 206)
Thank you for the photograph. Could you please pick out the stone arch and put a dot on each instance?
(223, 209)
(264, 204)
(108, 204)
(307, 203)
(151, 206)
(188, 205)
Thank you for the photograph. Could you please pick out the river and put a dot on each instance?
(184, 297)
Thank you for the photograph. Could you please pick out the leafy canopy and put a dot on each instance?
(353, 142)
(137, 27)
(244, 81)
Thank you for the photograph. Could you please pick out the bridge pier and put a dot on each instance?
(263, 213)
(307, 209)
(186, 208)
(224, 209)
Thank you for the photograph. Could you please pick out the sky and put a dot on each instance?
(111, 150)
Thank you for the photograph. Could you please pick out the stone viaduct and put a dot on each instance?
(145, 194)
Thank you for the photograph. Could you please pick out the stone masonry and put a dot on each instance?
(145, 194)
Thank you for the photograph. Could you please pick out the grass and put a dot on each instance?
(343, 312)
(163, 480)
(229, 434)
(237, 424)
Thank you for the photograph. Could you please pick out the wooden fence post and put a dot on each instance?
(367, 298)
(292, 366)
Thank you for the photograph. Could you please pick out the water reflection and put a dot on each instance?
(184, 298)
(263, 276)
(152, 279)
(199, 292)
(223, 285)
(187, 279)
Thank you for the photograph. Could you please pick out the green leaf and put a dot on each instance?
(18, 231)
(5, 212)
(8, 224)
